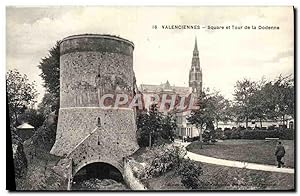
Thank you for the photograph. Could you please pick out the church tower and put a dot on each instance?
(195, 77)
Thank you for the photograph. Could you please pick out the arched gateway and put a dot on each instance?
(87, 133)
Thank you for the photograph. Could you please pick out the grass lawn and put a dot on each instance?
(216, 177)
(39, 175)
(255, 151)
(168, 181)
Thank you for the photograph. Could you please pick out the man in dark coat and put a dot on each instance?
(279, 153)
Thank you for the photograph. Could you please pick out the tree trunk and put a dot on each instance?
(246, 122)
(150, 140)
(200, 137)
(260, 123)
(16, 118)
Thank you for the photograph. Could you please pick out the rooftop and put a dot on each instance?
(25, 126)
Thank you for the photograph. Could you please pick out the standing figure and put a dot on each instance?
(279, 153)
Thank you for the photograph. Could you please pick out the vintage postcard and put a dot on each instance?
(106, 98)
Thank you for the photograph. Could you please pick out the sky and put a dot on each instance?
(163, 54)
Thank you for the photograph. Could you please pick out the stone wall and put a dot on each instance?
(74, 124)
(133, 182)
(101, 66)
(102, 146)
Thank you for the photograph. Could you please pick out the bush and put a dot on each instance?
(165, 159)
(219, 133)
(19, 157)
(235, 134)
(272, 127)
(44, 137)
(189, 173)
(196, 138)
(287, 134)
(227, 133)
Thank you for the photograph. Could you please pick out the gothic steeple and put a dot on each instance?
(196, 52)
(195, 77)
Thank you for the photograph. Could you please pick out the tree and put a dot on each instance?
(259, 102)
(148, 124)
(50, 70)
(154, 127)
(50, 103)
(168, 127)
(264, 100)
(21, 94)
(280, 100)
(221, 108)
(243, 92)
(204, 115)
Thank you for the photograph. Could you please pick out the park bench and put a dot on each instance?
(271, 138)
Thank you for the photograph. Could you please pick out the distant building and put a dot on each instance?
(289, 123)
(195, 86)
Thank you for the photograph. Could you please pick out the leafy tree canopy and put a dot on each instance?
(21, 93)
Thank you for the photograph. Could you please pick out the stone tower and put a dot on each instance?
(195, 76)
(92, 65)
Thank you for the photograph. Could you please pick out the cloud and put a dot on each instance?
(284, 54)
(161, 55)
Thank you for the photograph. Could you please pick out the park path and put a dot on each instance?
(238, 164)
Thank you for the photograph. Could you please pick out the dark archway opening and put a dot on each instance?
(100, 171)
(98, 176)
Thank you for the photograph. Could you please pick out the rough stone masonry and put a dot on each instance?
(92, 65)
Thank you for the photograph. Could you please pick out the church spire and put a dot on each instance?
(196, 52)
(195, 76)
(196, 46)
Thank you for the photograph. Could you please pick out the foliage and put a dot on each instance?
(21, 94)
(168, 125)
(209, 136)
(189, 173)
(221, 108)
(50, 70)
(155, 128)
(164, 159)
(280, 101)
(40, 173)
(242, 95)
(44, 137)
(148, 124)
(32, 117)
(20, 161)
(205, 114)
(50, 103)
(219, 133)
(283, 134)
(273, 100)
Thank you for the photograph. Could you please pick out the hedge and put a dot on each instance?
(284, 134)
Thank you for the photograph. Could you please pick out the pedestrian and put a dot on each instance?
(279, 153)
